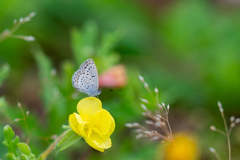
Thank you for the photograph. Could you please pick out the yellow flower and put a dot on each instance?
(93, 123)
(185, 148)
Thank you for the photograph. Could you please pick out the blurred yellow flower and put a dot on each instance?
(185, 148)
(93, 123)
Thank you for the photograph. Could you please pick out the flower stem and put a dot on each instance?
(217, 156)
(227, 134)
(52, 146)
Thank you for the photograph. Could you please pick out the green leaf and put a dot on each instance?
(44, 65)
(84, 42)
(51, 95)
(32, 156)
(23, 157)
(67, 70)
(4, 72)
(108, 42)
(68, 140)
(11, 156)
(9, 140)
(3, 103)
(24, 148)
(16, 150)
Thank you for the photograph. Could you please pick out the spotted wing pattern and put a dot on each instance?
(85, 79)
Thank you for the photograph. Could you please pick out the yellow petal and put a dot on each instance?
(87, 107)
(72, 120)
(76, 123)
(101, 122)
(97, 142)
(112, 128)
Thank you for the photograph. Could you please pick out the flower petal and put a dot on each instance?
(101, 122)
(87, 107)
(97, 142)
(112, 128)
(73, 121)
(77, 124)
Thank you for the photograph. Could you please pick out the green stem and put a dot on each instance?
(52, 146)
(11, 32)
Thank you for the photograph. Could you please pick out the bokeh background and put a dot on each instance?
(189, 50)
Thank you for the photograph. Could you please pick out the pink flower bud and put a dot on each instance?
(115, 77)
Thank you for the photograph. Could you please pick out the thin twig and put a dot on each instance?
(9, 33)
(220, 131)
(216, 155)
(227, 134)
(170, 130)
(230, 129)
(52, 146)
(25, 123)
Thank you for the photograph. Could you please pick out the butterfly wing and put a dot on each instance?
(86, 78)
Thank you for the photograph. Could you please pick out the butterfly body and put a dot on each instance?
(85, 79)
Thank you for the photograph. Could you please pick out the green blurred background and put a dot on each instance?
(189, 50)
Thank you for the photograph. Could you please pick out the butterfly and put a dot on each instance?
(85, 79)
